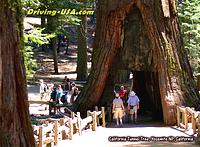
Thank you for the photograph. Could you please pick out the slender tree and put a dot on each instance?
(51, 28)
(140, 35)
(15, 124)
(82, 48)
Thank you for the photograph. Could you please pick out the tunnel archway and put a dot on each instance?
(146, 86)
(136, 56)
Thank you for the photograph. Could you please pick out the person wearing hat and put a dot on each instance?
(118, 108)
(133, 105)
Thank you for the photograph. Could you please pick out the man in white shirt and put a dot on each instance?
(133, 105)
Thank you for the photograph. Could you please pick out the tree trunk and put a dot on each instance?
(146, 36)
(55, 55)
(82, 50)
(43, 25)
(15, 124)
(51, 27)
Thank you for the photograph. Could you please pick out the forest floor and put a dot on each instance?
(67, 64)
(145, 128)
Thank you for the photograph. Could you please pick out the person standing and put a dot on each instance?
(123, 93)
(67, 84)
(59, 93)
(74, 93)
(133, 105)
(43, 89)
(118, 108)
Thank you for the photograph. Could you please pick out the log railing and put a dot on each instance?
(187, 115)
(53, 130)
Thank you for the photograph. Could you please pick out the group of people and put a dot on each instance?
(66, 92)
(120, 102)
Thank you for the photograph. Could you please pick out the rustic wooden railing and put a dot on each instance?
(53, 130)
(187, 115)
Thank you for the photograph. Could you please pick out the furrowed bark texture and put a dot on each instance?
(15, 124)
(141, 35)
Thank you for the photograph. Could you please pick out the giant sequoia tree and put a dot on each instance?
(142, 36)
(15, 125)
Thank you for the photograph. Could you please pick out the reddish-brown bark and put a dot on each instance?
(15, 124)
(156, 46)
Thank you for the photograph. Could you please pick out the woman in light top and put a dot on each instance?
(118, 109)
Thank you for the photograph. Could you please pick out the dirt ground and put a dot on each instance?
(67, 64)
(101, 137)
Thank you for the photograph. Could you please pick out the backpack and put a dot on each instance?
(54, 96)
(46, 87)
(64, 98)
(75, 91)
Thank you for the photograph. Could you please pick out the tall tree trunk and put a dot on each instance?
(51, 27)
(15, 124)
(43, 25)
(55, 55)
(147, 37)
(82, 70)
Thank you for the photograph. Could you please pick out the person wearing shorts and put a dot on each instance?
(118, 109)
(133, 105)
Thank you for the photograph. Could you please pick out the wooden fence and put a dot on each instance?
(186, 115)
(53, 130)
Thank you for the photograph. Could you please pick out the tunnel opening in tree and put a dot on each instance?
(136, 56)
(146, 86)
(144, 37)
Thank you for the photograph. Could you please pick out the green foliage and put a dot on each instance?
(36, 37)
(189, 14)
(30, 62)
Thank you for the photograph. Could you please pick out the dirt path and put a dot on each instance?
(102, 135)
(67, 64)
(145, 128)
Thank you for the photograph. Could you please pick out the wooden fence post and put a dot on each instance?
(96, 109)
(63, 132)
(88, 113)
(94, 121)
(186, 118)
(70, 129)
(178, 116)
(103, 117)
(56, 132)
(61, 121)
(193, 123)
(72, 115)
(40, 136)
(79, 122)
